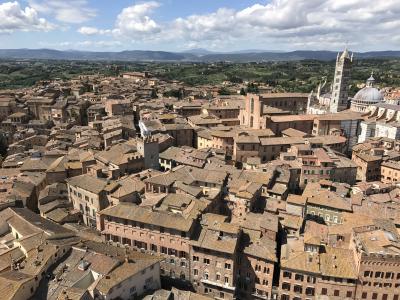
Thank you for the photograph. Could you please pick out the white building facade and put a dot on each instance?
(383, 120)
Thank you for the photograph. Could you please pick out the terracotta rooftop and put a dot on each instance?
(88, 183)
(136, 213)
(284, 95)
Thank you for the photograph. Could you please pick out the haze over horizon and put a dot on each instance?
(200, 51)
(220, 26)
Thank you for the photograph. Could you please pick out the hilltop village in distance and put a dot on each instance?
(135, 186)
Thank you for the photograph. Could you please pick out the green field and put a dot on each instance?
(299, 76)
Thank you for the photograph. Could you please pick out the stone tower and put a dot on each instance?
(341, 82)
(148, 147)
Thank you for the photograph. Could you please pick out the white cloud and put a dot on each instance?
(294, 24)
(85, 30)
(284, 24)
(206, 27)
(84, 45)
(88, 30)
(281, 14)
(134, 20)
(13, 17)
(67, 11)
(98, 44)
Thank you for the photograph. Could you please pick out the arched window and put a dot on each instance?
(252, 105)
(251, 121)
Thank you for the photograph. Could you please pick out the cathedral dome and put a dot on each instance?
(369, 94)
(366, 96)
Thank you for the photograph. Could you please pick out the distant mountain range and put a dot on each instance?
(202, 52)
(194, 55)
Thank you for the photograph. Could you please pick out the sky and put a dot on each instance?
(217, 25)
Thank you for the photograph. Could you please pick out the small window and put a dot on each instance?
(298, 277)
(364, 295)
(349, 294)
(287, 274)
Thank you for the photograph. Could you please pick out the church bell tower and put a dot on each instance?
(340, 96)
